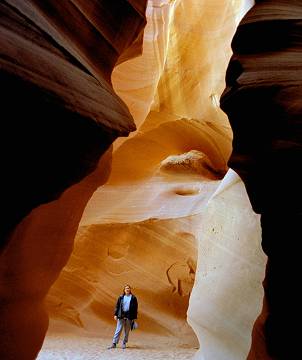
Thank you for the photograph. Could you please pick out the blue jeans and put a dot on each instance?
(122, 323)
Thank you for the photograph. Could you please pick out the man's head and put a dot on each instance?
(127, 289)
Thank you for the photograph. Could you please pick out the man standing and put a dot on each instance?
(125, 313)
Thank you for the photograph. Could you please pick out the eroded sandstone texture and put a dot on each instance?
(59, 115)
(157, 257)
(263, 100)
(56, 78)
(164, 197)
(142, 226)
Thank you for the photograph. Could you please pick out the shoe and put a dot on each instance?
(124, 346)
(112, 346)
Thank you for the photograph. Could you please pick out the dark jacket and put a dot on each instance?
(132, 313)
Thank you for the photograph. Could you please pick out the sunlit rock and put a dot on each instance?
(227, 293)
(191, 162)
(157, 257)
(173, 93)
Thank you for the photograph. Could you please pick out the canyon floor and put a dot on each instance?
(71, 347)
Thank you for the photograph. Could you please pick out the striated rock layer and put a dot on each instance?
(263, 102)
(60, 114)
(57, 79)
(158, 259)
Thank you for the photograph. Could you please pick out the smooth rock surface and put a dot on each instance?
(59, 115)
(263, 102)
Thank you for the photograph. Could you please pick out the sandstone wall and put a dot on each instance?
(59, 115)
(263, 102)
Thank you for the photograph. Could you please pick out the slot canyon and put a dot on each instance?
(154, 143)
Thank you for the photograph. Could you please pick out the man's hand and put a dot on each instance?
(115, 317)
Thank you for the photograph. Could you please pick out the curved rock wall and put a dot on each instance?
(227, 293)
(37, 250)
(60, 114)
(54, 80)
(263, 102)
(158, 259)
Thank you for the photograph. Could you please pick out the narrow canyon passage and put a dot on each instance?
(144, 146)
(143, 226)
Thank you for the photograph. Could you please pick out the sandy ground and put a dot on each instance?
(58, 347)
